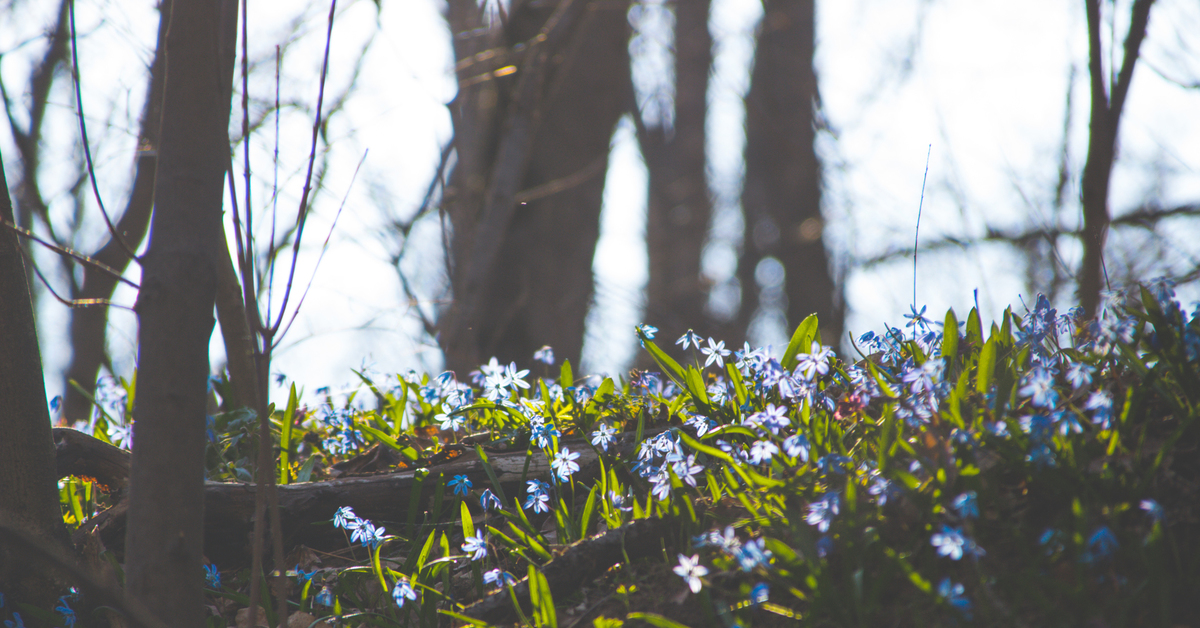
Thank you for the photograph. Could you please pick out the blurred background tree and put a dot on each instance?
(493, 194)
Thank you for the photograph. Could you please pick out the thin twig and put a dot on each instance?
(71, 303)
(917, 237)
(62, 250)
(302, 213)
(324, 247)
(87, 152)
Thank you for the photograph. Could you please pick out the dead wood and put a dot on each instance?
(582, 562)
(307, 508)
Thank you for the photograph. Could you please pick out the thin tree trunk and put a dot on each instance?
(164, 541)
(29, 488)
(29, 141)
(526, 191)
(1102, 144)
(89, 324)
(781, 197)
(679, 209)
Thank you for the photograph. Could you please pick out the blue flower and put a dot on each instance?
(833, 463)
(604, 436)
(814, 363)
(68, 615)
(452, 422)
(1079, 374)
(15, 622)
(824, 546)
(370, 535)
(689, 338)
(951, 542)
(325, 597)
(646, 331)
(403, 591)
(212, 577)
(762, 451)
(753, 553)
(499, 578)
(345, 518)
(1051, 540)
(1101, 403)
(475, 546)
(966, 505)
(822, 511)
(953, 594)
(760, 593)
(564, 464)
(1039, 386)
(545, 355)
(796, 446)
(715, 351)
(304, 576)
(1100, 545)
(461, 485)
(489, 501)
(1154, 509)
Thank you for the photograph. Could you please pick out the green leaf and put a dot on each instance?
(987, 365)
(467, 524)
(950, 338)
(285, 436)
(305, 474)
(566, 378)
(491, 473)
(974, 329)
(665, 362)
(589, 509)
(656, 620)
(801, 339)
(463, 618)
(543, 601)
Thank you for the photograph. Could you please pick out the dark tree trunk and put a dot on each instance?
(90, 324)
(28, 486)
(525, 194)
(164, 541)
(1102, 144)
(782, 194)
(679, 209)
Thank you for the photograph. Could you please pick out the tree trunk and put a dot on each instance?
(1102, 144)
(525, 194)
(679, 208)
(781, 198)
(164, 542)
(28, 488)
(90, 324)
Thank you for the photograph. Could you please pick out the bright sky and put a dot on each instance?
(980, 86)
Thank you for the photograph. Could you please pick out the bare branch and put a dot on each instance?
(62, 250)
(1145, 217)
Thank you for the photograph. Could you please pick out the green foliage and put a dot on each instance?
(1035, 474)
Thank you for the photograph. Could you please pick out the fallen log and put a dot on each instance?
(580, 563)
(307, 508)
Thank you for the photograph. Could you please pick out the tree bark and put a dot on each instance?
(1102, 144)
(28, 488)
(679, 209)
(383, 498)
(89, 324)
(164, 542)
(781, 198)
(525, 194)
